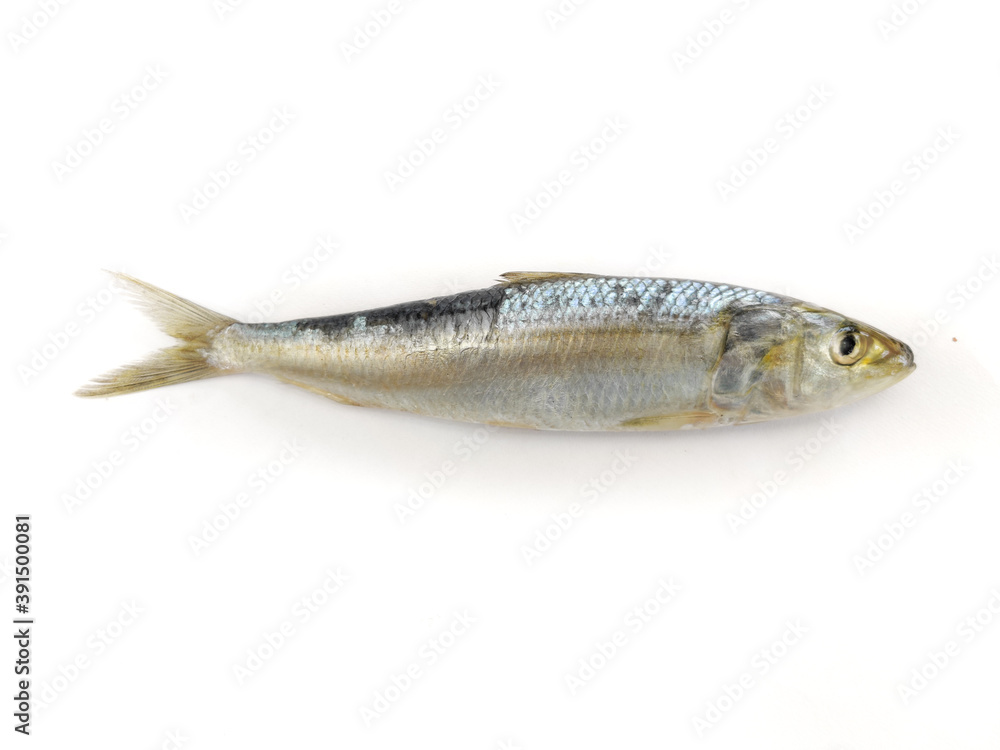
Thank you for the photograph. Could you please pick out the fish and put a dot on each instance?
(545, 351)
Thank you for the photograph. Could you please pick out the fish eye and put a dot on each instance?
(848, 346)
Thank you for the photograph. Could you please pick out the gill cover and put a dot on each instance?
(759, 370)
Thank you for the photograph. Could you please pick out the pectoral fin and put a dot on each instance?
(685, 420)
(511, 425)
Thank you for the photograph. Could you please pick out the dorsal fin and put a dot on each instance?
(524, 277)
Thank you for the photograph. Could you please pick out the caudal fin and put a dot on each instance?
(193, 324)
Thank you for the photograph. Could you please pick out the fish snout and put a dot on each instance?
(906, 356)
(899, 357)
(892, 356)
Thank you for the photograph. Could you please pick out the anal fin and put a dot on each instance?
(314, 389)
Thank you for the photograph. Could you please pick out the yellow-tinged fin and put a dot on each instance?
(523, 277)
(511, 425)
(314, 389)
(684, 420)
(194, 325)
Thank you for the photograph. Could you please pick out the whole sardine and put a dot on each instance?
(551, 351)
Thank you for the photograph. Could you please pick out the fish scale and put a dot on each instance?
(669, 297)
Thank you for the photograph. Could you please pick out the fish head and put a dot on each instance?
(846, 360)
(782, 360)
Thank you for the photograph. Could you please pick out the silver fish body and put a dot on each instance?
(568, 352)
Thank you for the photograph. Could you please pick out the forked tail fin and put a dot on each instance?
(193, 324)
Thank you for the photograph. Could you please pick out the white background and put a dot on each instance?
(651, 202)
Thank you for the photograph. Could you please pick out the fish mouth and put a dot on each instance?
(906, 356)
(903, 355)
(899, 357)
